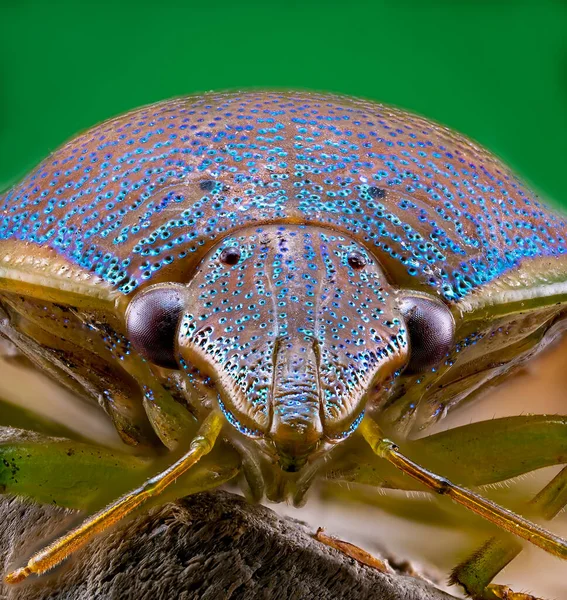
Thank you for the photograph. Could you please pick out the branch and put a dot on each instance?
(208, 546)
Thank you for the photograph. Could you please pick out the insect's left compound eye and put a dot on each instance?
(151, 322)
(431, 329)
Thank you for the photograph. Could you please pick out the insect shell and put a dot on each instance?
(267, 244)
(294, 260)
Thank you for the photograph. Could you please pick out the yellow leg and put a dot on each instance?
(52, 555)
(476, 573)
(353, 551)
(491, 511)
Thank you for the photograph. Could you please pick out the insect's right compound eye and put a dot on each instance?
(431, 329)
(152, 319)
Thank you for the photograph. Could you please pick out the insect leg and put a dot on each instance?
(84, 476)
(476, 454)
(65, 472)
(252, 471)
(44, 560)
(503, 518)
(476, 573)
(553, 497)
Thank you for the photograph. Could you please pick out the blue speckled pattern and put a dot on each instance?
(144, 196)
(293, 335)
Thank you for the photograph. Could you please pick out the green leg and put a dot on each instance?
(83, 476)
(472, 455)
(476, 573)
(201, 445)
(553, 497)
(63, 472)
(475, 454)
(408, 507)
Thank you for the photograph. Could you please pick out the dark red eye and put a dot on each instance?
(431, 329)
(151, 322)
(230, 256)
(356, 260)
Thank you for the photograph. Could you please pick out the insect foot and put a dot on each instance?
(353, 551)
(505, 593)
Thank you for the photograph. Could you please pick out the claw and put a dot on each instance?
(353, 551)
(17, 575)
(505, 593)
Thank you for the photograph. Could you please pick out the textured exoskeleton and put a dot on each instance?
(285, 278)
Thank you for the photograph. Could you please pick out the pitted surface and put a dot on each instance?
(141, 197)
(293, 335)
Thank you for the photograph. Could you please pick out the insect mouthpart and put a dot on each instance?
(291, 464)
(296, 401)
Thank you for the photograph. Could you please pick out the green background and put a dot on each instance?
(496, 70)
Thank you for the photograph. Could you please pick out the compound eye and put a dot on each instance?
(431, 329)
(151, 323)
(230, 255)
(356, 260)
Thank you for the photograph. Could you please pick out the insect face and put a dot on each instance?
(294, 330)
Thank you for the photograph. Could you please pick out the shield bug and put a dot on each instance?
(282, 286)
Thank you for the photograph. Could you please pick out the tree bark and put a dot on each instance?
(209, 546)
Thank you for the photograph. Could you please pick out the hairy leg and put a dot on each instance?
(201, 445)
(476, 454)
(472, 455)
(84, 476)
(476, 573)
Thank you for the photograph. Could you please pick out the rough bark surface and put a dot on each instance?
(208, 546)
